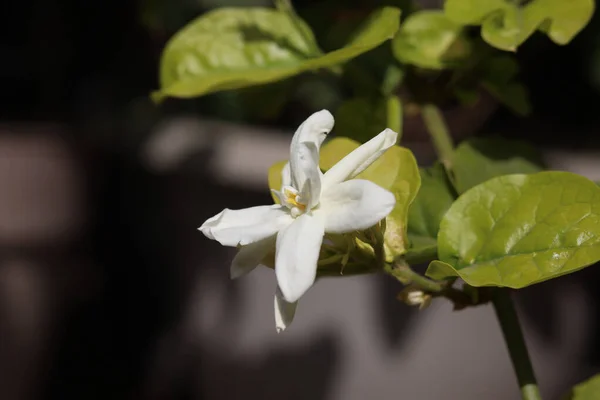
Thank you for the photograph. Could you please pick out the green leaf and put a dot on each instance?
(498, 78)
(231, 48)
(506, 24)
(429, 39)
(426, 212)
(286, 7)
(396, 171)
(477, 160)
(587, 390)
(275, 178)
(361, 118)
(517, 230)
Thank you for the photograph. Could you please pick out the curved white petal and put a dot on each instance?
(296, 256)
(280, 196)
(307, 174)
(250, 256)
(286, 175)
(314, 130)
(249, 225)
(354, 205)
(359, 159)
(284, 312)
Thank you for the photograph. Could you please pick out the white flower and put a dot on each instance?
(312, 204)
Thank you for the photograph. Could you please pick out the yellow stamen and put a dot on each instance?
(291, 198)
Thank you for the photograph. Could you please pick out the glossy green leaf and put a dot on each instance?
(517, 230)
(429, 39)
(426, 212)
(231, 48)
(587, 390)
(506, 24)
(477, 160)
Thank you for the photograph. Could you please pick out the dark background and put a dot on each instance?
(74, 83)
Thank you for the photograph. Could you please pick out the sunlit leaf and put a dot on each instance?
(231, 48)
(587, 390)
(506, 24)
(517, 230)
(396, 171)
(429, 39)
(426, 212)
(477, 160)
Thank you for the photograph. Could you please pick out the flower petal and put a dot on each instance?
(314, 130)
(284, 312)
(306, 162)
(354, 205)
(359, 159)
(296, 256)
(286, 176)
(250, 256)
(249, 225)
(280, 196)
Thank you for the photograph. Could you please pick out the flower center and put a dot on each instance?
(293, 201)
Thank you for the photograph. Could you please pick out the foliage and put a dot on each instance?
(487, 213)
(588, 390)
(517, 230)
(506, 24)
(232, 48)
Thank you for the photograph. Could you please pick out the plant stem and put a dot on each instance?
(406, 275)
(402, 271)
(434, 121)
(394, 115)
(513, 335)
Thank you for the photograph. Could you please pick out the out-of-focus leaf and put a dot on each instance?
(274, 96)
(275, 178)
(232, 48)
(587, 390)
(429, 39)
(498, 78)
(517, 230)
(361, 118)
(477, 160)
(506, 24)
(426, 212)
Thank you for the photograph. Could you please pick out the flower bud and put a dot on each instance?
(414, 296)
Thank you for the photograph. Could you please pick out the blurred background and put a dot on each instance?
(108, 291)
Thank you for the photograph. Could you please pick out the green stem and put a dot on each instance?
(509, 322)
(434, 121)
(407, 276)
(394, 115)
(402, 271)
